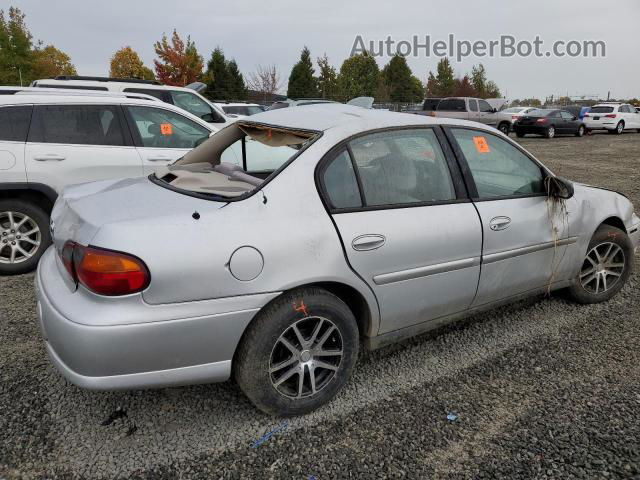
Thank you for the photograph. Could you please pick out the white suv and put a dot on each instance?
(613, 117)
(183, 97)
(48, 141)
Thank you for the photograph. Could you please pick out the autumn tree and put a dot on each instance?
(178, 62)
(49, 62)
(464, 88)
(16, 56)
(327, 80)
(359, 76)
(302, 83)
(126, 63)
(265, 81)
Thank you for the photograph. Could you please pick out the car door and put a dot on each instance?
(76, 143)
(14, 125)
(635, 116)
(406, 226)
(525, 233)
(488, 114)
(162, 135)
(569, 125)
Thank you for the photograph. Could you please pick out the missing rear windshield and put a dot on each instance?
(235, 161)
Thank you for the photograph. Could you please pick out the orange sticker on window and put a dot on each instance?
(165, 129)
(481, 144)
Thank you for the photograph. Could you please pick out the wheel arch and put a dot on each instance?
(39, 194)
(614, 221)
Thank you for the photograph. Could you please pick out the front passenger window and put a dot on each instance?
(160, 128)
(498, 168)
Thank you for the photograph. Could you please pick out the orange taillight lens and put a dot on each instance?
(107, 272)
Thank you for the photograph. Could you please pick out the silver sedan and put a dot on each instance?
(372, 227)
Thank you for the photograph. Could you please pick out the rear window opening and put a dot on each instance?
(601, 110)
(235, 161)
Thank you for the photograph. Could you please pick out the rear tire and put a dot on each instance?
(605, 268)
(550, 132)
(520, 134)
(24, 236)
(580, 132)
(618, 130)
(302, 331)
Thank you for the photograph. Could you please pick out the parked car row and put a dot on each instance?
(613, 117)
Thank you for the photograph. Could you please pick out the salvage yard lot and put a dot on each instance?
(541, 389)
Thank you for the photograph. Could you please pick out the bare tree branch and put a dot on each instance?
(265, 80)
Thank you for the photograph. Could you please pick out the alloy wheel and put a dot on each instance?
(619, 127)
(602, 268)
(306, 357)
(20, 237)
(551, 132)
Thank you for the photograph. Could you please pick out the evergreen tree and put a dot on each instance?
(396, 75)
(302, 84)
(328, 79)
(218, 77)
(445, 78)
(237, 88)
(479, 80)
(359, 76)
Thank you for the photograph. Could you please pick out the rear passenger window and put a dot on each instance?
(402, 167)
(14, 123)
(340, 183)
(76, 124)
(498, 168)
(452, 105)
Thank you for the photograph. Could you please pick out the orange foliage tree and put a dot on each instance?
(178, 62)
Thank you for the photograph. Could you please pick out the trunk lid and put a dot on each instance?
(81, 210)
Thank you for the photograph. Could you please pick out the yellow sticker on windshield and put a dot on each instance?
(165, 129)
(481, 144)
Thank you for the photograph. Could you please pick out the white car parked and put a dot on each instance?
(186, 98)
(613, 117)
(51, 140)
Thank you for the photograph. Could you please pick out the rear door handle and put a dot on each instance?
(50, 156)
(159, 158)
(499, 223)
(368, 242)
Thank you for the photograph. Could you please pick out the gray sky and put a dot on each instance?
(256, 32)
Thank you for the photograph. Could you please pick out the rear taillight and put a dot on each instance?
(514, 117)
(541, 120)
(432, 113)
(586, 114)
(105, 272)
(610, 115)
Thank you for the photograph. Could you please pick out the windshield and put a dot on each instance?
(235, 160)
(242, 109)
(601, 110)
(191, 103)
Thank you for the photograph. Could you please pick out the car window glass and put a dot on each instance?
(76, 124)
(159, 128)
(452, 105)
(14, 123)
(402, 167)
(624, 109)
(566, 115)
(498, 168)
(259, 157)
(191, 103)
(340, 183)
(485, 106)
(473, 105)
(601, 110)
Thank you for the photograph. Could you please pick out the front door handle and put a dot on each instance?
(499, 223)
(368, 242)
(159, 158)
(50, 156)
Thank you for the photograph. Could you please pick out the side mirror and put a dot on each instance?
(212, 117)
(558, 187)
(493, 110)
(574, 118)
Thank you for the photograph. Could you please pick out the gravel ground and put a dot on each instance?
(540, 389)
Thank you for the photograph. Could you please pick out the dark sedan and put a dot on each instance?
(549, 123)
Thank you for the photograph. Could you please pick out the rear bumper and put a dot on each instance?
(601, 125)
(176, 344)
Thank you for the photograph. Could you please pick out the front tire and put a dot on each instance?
(297, 353)
(24, 236)
(605, 268)
(504, 127)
